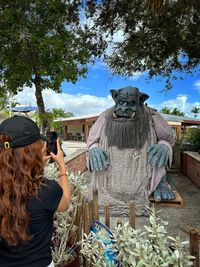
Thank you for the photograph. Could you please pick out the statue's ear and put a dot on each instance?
(143, 97)
(114, 94)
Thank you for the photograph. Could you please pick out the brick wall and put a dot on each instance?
(77, 163)
(191, 166)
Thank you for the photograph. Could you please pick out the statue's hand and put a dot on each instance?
(163, 191)
(98, 159)
(158, 155)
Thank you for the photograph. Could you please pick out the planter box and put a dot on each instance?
(76, 261)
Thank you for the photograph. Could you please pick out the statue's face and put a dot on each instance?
(127, 101)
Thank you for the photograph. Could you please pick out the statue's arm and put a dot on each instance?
(160, 154)
(95, 132)
(163, 129)
(93, 153)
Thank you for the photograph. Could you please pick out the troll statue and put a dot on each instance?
(128, 150)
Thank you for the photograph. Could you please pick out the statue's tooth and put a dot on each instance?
(114, 115)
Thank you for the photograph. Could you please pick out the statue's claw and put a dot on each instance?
(158, 155)
(163, 191)
(98, 159)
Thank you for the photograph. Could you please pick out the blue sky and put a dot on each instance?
(92, 94)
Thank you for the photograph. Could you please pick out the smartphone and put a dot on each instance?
(52, 143)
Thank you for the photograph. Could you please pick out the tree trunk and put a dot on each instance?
(40, 102)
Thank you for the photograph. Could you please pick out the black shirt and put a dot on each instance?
(37, 251)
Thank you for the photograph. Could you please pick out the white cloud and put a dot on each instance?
(84, 104)
(99, 65)
(197, 85)
(136, 75)
(180, 102)
(80, 104)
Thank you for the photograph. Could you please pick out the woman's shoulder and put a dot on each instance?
(46, 181)
(49, 194)
(49, 185)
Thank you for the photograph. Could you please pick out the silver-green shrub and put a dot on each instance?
(150, 248)
(64, 225)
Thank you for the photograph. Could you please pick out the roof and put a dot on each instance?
(89, 116)
(181, 119)
(169, 117)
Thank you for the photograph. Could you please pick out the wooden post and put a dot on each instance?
(87, 219)
(80, 223)
(95, 205)
(194, 245)
(86, 132)
(107, 215)
(91, 213)
(132, 216)
(65, 131)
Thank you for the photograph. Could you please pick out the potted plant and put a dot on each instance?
(134, 248)
(64, 244)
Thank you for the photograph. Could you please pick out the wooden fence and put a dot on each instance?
(88, 212)
(194, 243)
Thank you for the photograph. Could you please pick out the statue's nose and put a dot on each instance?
(124, 106)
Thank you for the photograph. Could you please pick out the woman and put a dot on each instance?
(28, 200)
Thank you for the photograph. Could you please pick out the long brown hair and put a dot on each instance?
(21, 175)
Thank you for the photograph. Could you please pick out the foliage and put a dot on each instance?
(4, 114)
(165, 110)
(135, 248)
(51, 116)
(7, 101)
(191, 140)
(196, 111)
(174, 111)
(158, 37)
(42, 44)
(64, 225)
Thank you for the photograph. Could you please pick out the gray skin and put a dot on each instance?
(127, 102)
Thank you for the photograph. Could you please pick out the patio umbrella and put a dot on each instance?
(24, 109)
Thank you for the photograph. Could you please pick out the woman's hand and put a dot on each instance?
(59, 158)
(44, 153)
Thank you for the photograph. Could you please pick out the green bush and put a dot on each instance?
(191, 140)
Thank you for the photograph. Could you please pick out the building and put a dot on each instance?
(179, 123)
(77, 128)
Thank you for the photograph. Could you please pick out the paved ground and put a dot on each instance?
(70, 147)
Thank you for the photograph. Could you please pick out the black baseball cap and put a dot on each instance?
(22, 131)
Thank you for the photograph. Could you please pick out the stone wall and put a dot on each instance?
(191, 166)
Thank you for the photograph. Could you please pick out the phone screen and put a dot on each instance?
(52, 144)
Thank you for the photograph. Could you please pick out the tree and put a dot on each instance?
(165, 110)
(41, 44)
(196, 111)
(174, 111)
(177, 112)
(159, 37)
(7, 101)
(51, 116)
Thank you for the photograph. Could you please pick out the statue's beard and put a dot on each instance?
(128, 132)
